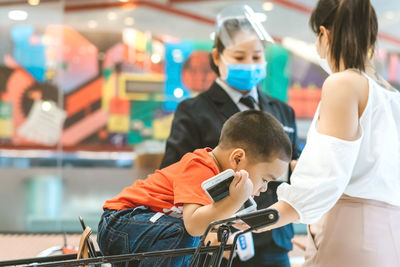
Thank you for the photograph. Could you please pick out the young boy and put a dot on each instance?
(170, 210)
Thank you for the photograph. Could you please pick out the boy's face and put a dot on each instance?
(261, 173)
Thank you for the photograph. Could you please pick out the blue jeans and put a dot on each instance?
(131, 231)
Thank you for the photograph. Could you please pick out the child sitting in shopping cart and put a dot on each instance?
(170, 210)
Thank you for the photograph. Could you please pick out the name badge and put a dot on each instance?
(288, 129)
(245, 246)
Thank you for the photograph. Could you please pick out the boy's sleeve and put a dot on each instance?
(187, 185)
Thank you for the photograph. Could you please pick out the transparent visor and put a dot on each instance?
(239, 23)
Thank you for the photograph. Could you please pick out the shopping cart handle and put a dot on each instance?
(260, 218)
(256, 220)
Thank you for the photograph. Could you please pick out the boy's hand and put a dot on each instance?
(213, 239)
(241, 186)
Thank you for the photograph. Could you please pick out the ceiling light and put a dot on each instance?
(155, 58)
(261, 17)
(92, 24)
(18, 15)
(129, 36)
(46, 40)
(178, 92)
(34, 2)
(46, 106)
(301, 48)
(177, 55)
(212, 36)
(268, 6)
(124, 1)
(129, 21)
(111, 16)
(390, 15)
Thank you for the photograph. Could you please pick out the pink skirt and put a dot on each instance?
(356, 232)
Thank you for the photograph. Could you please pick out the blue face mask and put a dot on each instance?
(245, 76)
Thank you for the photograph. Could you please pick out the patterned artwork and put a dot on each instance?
(187, 71)
(42, 74)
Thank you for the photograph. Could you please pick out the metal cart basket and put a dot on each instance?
(203, 255)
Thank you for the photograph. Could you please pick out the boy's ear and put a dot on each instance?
(237, 156)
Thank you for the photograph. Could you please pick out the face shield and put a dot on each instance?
(239, 23)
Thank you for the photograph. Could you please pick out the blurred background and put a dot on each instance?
(88, 90)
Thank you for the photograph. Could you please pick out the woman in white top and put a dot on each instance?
(347, 181)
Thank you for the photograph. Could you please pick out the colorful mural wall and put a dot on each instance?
(74, 88)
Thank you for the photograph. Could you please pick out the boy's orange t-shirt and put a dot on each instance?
(168, 189)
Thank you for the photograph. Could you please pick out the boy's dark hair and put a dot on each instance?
(354, 28)
(258, 133)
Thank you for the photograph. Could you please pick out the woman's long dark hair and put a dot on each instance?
(354, 28)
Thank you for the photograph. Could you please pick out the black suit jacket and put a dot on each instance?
(198, 122)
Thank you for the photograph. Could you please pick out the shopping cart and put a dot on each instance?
(203, 255)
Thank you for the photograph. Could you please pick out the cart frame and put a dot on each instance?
(202, 254)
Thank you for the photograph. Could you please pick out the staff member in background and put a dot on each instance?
(238, 59)
(347, 181)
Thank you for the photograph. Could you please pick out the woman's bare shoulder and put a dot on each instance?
(342, 94)
(346, 86)
(348, 81)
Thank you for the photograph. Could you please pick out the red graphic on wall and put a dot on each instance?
(197, 74)
(304, 101)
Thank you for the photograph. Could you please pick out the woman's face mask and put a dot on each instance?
(243, 65)
(244, 76)
(323, 62)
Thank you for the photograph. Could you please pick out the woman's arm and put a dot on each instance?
(326, 164)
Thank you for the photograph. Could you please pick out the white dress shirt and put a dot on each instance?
(235, 95)
(368, 167)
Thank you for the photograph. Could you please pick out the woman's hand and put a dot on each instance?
(240, 225)
(261, 230)
(301, 245)
(293, 165)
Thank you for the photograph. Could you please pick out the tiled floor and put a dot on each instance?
(28, 246)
